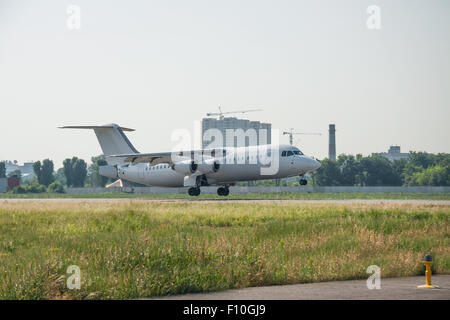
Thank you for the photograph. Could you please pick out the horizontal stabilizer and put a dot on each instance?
(94, 127)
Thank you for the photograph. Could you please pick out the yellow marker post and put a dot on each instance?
(427, 261)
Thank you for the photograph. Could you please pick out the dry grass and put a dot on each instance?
(138, 249)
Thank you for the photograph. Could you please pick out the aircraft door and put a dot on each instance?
(141, 172)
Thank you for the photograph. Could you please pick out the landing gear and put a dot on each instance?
(303, 182)
(194, 191)
(223, 191)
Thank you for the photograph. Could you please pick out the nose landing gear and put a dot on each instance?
(194, 191)
(303, 182)
(223, 191)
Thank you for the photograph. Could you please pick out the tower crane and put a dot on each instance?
(291, 133)
(221, 114)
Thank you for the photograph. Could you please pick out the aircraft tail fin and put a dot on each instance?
(112, 140)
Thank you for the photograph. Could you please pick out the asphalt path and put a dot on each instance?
(391, 289)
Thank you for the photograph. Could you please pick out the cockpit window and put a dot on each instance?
(297, 151)
(290, 153)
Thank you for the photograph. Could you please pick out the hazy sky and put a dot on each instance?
(157, 66)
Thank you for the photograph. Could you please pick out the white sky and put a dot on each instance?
(157, 66)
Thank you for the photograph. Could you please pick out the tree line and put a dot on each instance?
(74, 173)
(420, 169)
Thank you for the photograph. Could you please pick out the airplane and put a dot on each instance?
(222, 167)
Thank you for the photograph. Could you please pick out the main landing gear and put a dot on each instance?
(194, 191)
(223, 191)
(303, 182)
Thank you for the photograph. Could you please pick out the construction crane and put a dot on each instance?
(221, 114)
(291, 133)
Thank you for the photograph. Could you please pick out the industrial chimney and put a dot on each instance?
(332, 143)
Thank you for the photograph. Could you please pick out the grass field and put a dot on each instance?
(236, 196)
(135, 249)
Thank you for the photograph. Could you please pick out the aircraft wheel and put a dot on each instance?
(192, 191)
(197, 191)
(303, 182)
(223, 191)
(226, 191)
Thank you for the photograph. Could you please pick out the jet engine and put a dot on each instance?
(186, 167)
(209, 165)
(108, 171)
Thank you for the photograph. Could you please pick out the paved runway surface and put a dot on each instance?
(391, 289)
(319, 201)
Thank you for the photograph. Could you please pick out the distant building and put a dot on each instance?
(26, 169)
(263, 131)
(3, 185)
(393, 154)
(13, 182)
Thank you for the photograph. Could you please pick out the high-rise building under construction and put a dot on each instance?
(228, 127)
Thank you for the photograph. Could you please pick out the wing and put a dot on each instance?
(151, 158)
(166, 157)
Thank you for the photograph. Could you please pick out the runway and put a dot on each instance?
(391, 289)
(224, 201)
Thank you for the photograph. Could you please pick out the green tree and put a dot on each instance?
(426, 169)
(60, 176)
(68, 170)
(37, 170)
(399, 168)
(2, 169)
(94, 177)
(79, 173)
(328, 174)
(431, 176)
(350, 168)
(442, 159)
(47, 173)
(421, 159)
(378, 171)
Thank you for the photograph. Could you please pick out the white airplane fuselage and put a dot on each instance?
(243, 169)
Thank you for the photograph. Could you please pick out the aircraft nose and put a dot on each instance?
(316, 164)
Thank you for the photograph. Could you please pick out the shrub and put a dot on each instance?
(56, 187)
(19, 190)
(35, 188)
